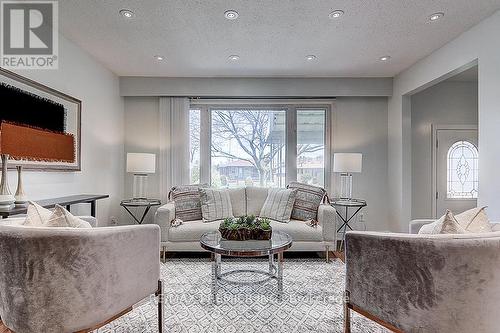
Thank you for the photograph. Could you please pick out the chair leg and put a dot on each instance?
(327, 254)
(347, 313)
(160, 306)
(164, 254)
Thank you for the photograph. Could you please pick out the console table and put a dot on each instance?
(62, 201)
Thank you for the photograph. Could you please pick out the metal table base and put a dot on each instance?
(275, 272)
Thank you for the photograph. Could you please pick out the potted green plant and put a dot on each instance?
(246, 228)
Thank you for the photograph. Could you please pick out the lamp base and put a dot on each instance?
(140, 186)
(346, 186)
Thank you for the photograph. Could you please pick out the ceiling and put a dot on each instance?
(272, 38)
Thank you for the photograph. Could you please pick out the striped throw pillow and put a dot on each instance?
(187, 202)
(307, 201)
(215, 204)
(279, 204)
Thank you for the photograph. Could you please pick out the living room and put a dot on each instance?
(231, 166)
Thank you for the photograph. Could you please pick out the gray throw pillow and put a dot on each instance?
(307, 201)
(187, 202)
(279, 204)
(215, 204)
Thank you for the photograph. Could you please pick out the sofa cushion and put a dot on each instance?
(256, 196)
(279, 204)
(307, 201)
(474, 220)
(187, 202)
(447, 224)
(192, 231)
(215, 204)
(238, 201)
(299, 231)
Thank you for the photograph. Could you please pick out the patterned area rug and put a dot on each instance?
(312, 300)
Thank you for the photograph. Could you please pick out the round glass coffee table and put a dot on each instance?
(214, 243)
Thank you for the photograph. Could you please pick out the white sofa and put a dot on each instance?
(247, 201)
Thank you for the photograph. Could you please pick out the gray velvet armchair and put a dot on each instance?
(424, 283)
(75, 280)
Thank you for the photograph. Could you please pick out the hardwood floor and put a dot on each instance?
(4, 329)
(337, 254)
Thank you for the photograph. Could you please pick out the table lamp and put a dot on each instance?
(140, 164)
(346, 164)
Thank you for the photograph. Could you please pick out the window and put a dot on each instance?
(194, 146)
(235, 145)
(311, 146)
(462, 171)
(248, 147)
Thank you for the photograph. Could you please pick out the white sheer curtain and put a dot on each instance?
(174, 143)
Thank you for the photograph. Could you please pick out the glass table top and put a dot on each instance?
(213, 242)
(348, 202)
(140, 202)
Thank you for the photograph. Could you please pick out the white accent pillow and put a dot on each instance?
(215, 204)
(447, 224)
(474, 220)
(37, 216)
(279, 204)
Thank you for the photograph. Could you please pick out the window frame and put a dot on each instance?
(290, 107)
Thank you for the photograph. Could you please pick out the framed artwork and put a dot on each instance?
(34, 105)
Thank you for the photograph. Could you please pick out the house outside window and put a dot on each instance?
(259, 145)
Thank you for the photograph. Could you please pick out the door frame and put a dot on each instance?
(434, 143)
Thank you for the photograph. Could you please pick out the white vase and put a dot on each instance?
(20, 196)
(6, 197)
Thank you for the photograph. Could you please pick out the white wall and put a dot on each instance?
(254, 87)
(142, 136)
(447, 103)
(359, 125)
(479, 43)
(80, 76)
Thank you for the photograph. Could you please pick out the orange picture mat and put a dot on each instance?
(34, 144)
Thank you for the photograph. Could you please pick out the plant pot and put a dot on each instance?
(243, 234)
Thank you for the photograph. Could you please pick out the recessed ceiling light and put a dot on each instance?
(234, 57)
(127, 13)
(385, 58)
(311, 57)
(336, 14)
(159, 57)
(231, 14)
(435, 16)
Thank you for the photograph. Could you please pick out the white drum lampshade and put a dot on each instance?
(347, 164)
(141, 164)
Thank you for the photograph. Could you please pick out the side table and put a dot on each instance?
(345, 204)
(135, 203)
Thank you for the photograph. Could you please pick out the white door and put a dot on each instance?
(456, 170)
